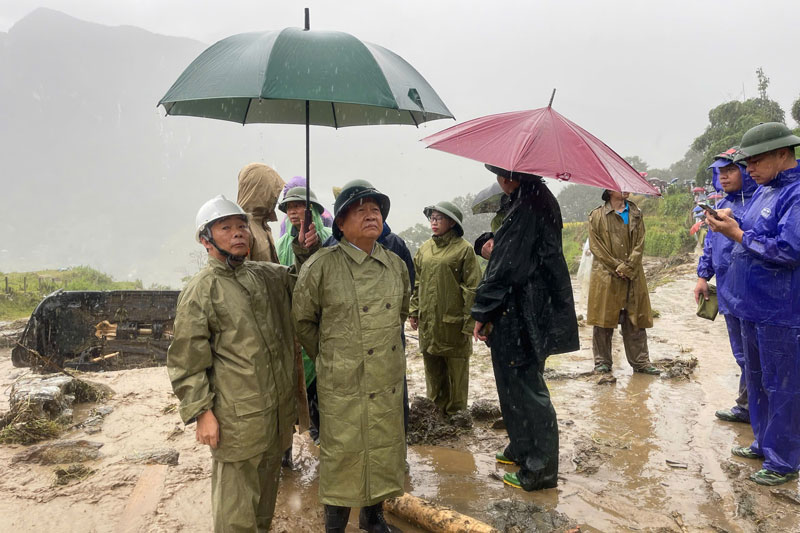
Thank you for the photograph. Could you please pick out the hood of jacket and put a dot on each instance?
(259, 189)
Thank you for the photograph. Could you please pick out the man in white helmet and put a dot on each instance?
(231, 364)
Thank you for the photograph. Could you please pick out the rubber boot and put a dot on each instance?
(336, 518)
(371, 520)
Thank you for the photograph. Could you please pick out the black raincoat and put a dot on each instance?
(526, 294)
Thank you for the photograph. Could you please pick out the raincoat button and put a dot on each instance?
(370, 351)
(371, 395)
(393, 389)
(394, 347)
(388, 306)
(365, 309)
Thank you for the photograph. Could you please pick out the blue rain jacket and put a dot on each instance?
(764, 273)
(717, 248)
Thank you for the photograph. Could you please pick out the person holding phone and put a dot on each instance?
(733, 179)
(764, 283)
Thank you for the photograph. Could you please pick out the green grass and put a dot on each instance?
(26, 289)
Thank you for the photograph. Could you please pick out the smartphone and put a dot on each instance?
(708, 209)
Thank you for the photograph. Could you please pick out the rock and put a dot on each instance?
(678, 368)
(790, 496)
(92, 430)
(516, 515)
(45, 397)
(499, 424)
(461, 419)
(60, 452)
(484, 410)
(74, 472)
(158, 456)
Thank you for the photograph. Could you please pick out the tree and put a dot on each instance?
(796, 110)
(637, 162)
(729, 121)
(473, 225)
(577, 200)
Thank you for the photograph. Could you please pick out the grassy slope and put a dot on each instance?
(26, 289)
(667, 221)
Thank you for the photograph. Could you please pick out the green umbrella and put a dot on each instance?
(488, 200)
(295, 76)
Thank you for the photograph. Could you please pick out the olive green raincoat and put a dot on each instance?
(349, 309)
(259, 189)
(447, 274)
(617, 247)
(232, 353)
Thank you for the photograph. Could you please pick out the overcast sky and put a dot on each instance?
(640, 75)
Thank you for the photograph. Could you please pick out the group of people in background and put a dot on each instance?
(339, 289)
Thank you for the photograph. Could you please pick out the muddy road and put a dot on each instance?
(642, 453)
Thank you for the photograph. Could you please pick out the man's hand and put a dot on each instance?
(207, 429)
(486, 249)
(307, 238)
(413, 322)
(619, 271)
(725, 224)
(700, 288)
(476, 333)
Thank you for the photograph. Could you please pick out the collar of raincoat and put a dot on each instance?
(359, 256)
(259, 189)
(786, 177)
(221, 267)
(630, 206)
(443, 240)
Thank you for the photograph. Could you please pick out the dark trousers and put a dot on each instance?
(634, 339)
(772, 360)
(735, 336)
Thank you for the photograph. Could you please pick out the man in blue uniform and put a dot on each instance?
(764, 283)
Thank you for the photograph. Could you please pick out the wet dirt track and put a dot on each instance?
(615, 442)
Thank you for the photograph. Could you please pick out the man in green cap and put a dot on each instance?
(764, 284)
(231, 364)
(447, 273)
(351, 301)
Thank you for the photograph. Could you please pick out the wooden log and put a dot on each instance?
(105, 329)
(434, 518)
(104, 357)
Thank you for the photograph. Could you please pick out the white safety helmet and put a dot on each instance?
(215, 209)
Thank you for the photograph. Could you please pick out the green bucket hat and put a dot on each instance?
(450, 210)
(355, 190)
(766, 137)
(298, 194)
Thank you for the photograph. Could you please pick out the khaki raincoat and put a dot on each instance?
(232, 353)
(617, 247)
(447, 274)
(349, 309)
(259, 189)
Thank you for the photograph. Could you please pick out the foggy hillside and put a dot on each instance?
(90, 172)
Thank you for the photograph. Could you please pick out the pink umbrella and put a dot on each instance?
(698, 189)
(541, 142)
(715, 196)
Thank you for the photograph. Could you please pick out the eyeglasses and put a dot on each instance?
(436, 218)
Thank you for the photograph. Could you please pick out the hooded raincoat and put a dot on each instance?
(764, 280)
(447, 274)
(714, 262)
(717, 248)
(259, 189)
(526, 294)
(349, 309)
(615, 244)
(232, 352)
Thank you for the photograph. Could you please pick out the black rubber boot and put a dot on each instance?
(336, 518)
(371, 520)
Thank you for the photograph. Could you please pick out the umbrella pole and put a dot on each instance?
(308, 169)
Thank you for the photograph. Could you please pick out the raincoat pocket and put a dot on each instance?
(251, 405)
